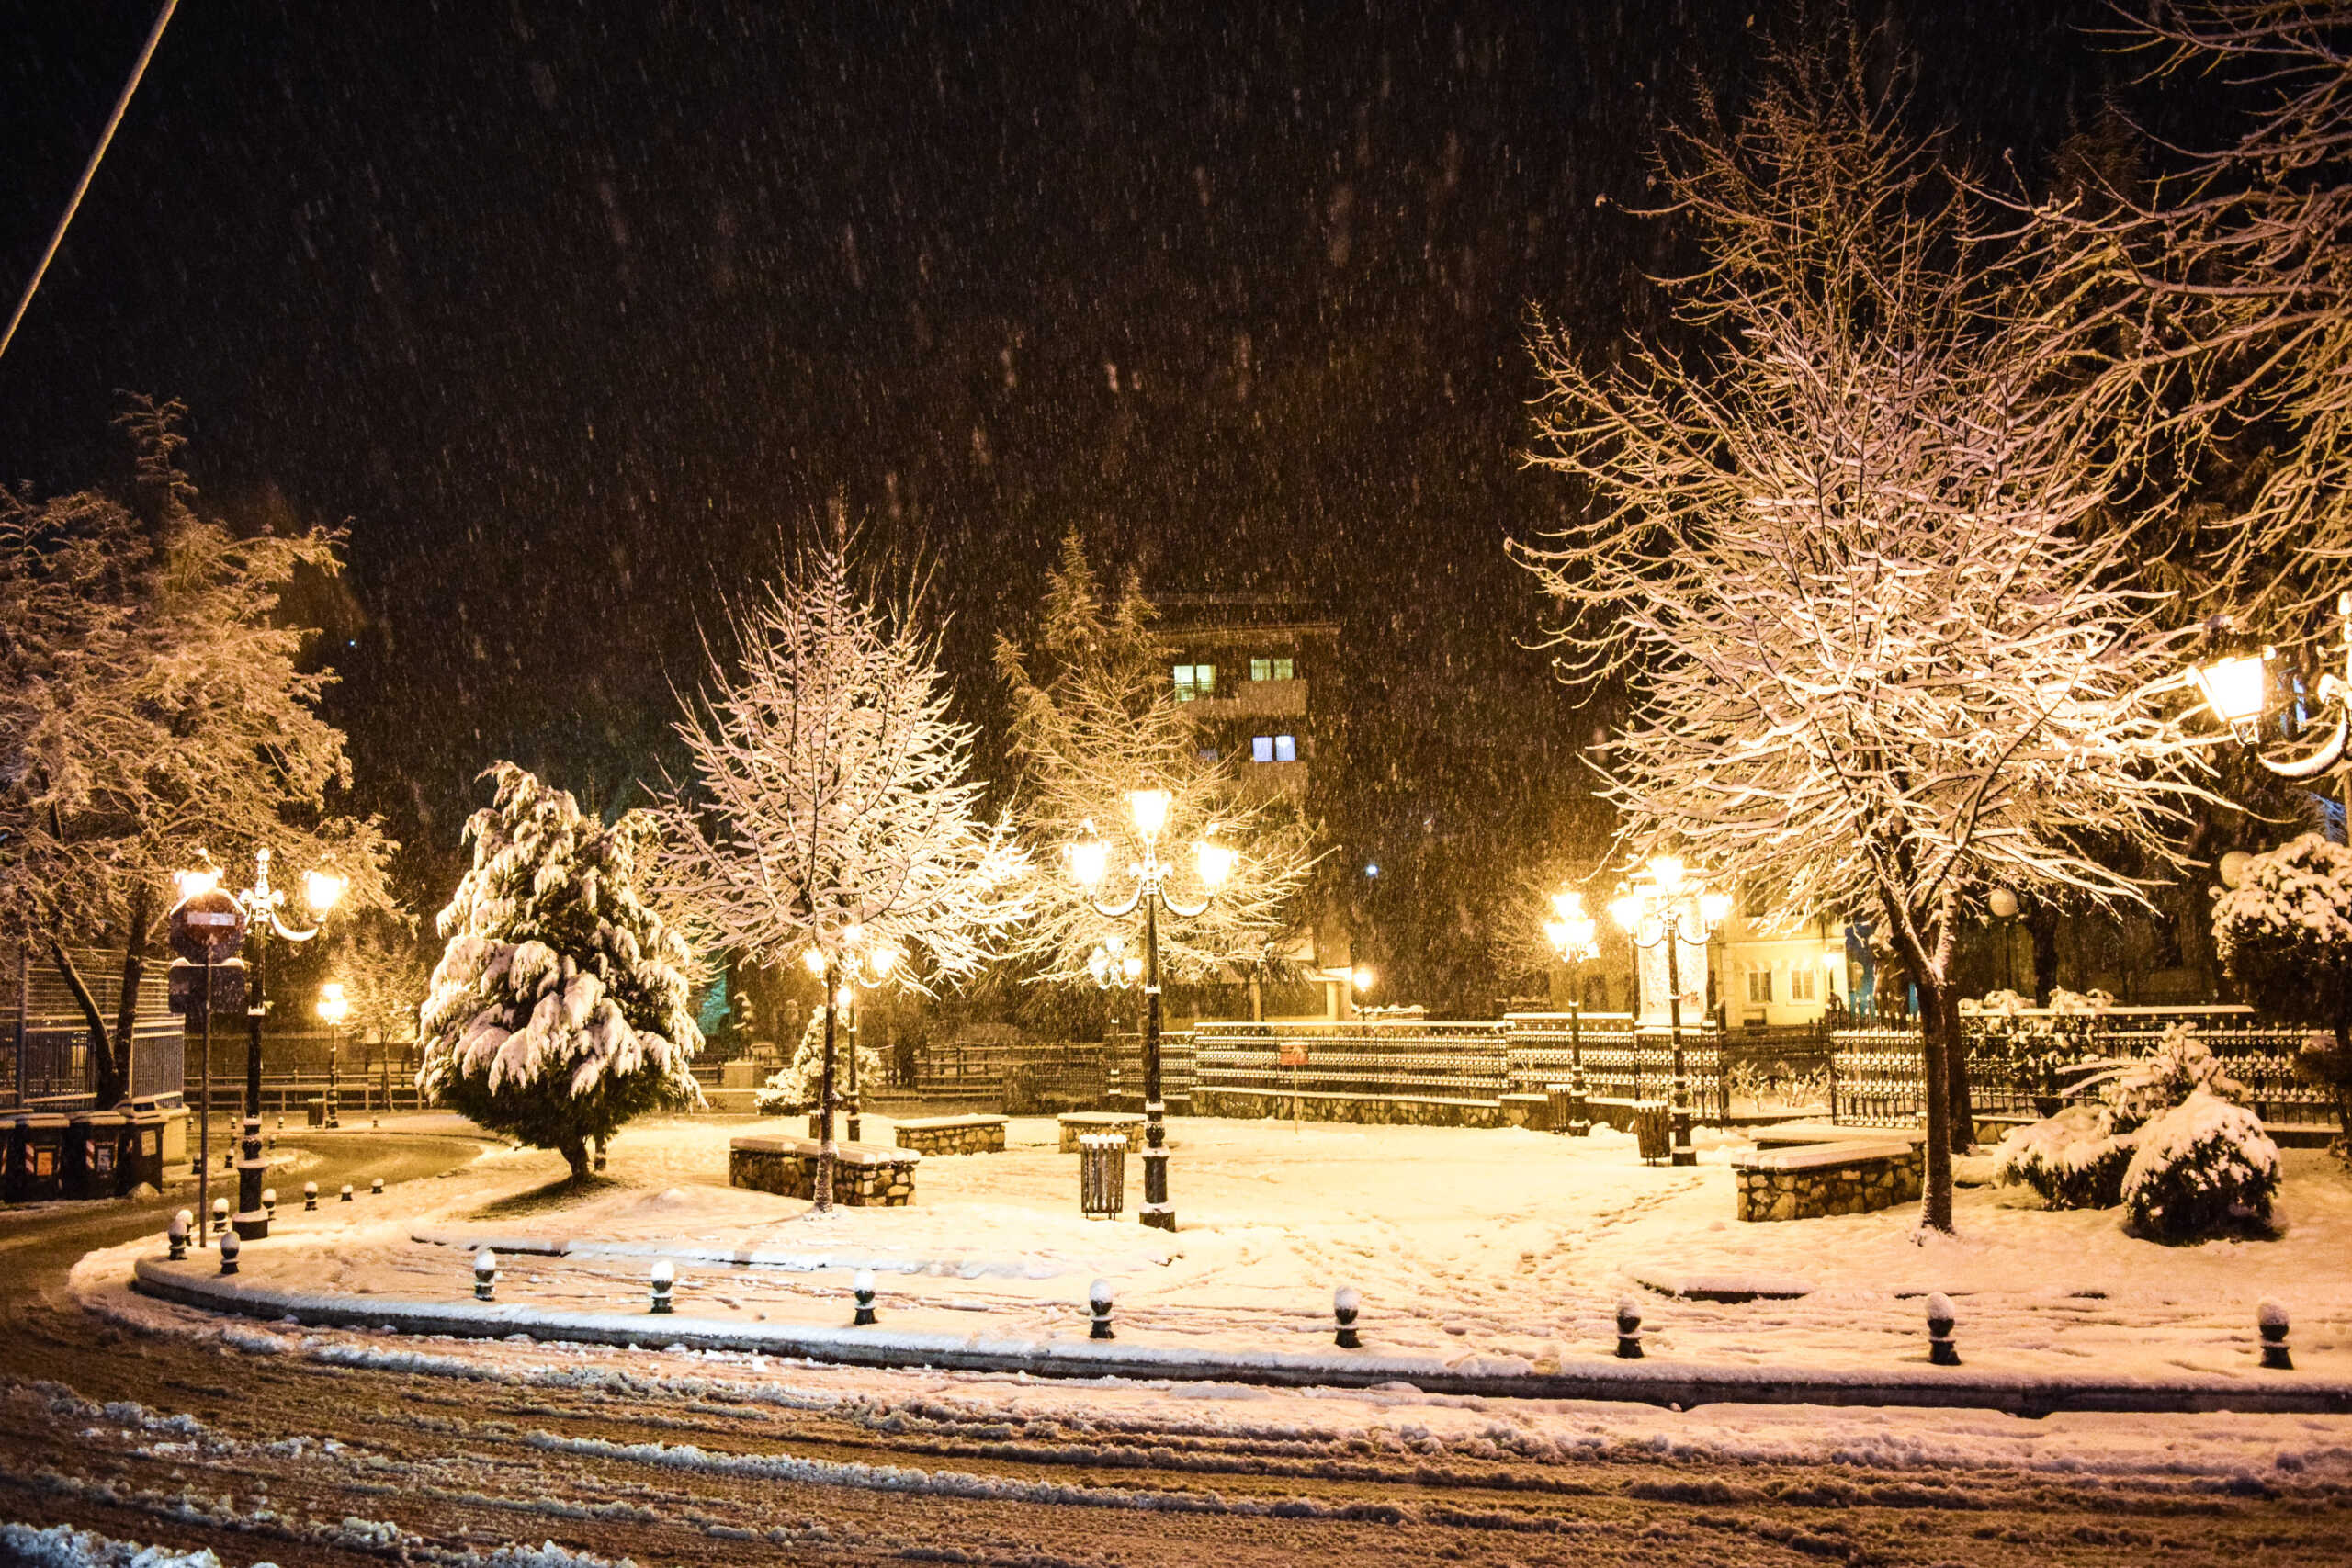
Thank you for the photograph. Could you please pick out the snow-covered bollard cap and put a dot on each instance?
(862, 1285)
(1097, 1297)
(2271, 1317)
(485, 1262)
(1940, 1317)
(485, 1275)
(269, 1197)
(231, 1245)
(346, 1191)
(1345, 1303)
(177, 1233)
(663, 1277)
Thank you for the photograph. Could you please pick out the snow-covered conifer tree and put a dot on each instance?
(1836, 550)
(559, 1008)
(1094, 717)
(831, 806)
(2284, 933)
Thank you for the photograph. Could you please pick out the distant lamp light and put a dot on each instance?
(883, 959)
(1362, 978)
(1132, 966)
(191, 883)
(1668, 871)
(814, 958)
(2233, 868)
(1214, 862)
(2003, 903)
(1149, 809)
(1372, 869)
(322, 890)
(842, 998)
(1573, 932)
(1714, 908)
(1626, 910)
(333, 1006)
(2236, 688)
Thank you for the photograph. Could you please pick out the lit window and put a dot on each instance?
(1261, 748)
(1759, 984)
(1801, 983)
(1285, 747)
(1188, 682)
(1270, 670)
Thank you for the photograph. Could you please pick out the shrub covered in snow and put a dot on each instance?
(2284, 933)
(794, 1086)
(560, 1008)
(2201, 1167)
(2074, 1159)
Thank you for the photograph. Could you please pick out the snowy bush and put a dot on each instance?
(2284, 933)
(2201, 1167)
(2141, 1090)
(2074, 1159)
(795, 1087)
(559, 1009)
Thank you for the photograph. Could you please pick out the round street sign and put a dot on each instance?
(207, 928)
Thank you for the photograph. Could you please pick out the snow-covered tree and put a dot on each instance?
(385, 971)
(1836, 550)
(2284, 934)
(831, 806)
(156, 709)
(796, 1084)
(1093, 718)
(559, 1008)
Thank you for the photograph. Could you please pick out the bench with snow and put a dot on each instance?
(864, 1175)
(1853, 1177)
(951, 1134)
(1075, 1124)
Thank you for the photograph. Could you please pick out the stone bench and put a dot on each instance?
(1075, 1124)
(1809, 1183)
(951, 1134)
(864, 1175)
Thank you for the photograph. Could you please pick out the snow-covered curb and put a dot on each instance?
(1679, 1384)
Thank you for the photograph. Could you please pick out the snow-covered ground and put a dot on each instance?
(1515, 1245)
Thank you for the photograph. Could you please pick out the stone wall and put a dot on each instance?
(1809, 1184)
(951, 1134)
(865, 1176)
(1365, 1109)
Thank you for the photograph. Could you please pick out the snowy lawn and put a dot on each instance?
(1465, 1243)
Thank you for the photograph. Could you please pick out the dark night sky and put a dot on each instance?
(568, 309)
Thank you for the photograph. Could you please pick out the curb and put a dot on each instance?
(1679, 1384)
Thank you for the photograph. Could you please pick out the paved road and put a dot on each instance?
(299, 1464)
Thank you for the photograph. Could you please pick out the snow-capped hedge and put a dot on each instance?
(2074, 1159)
(2203, 1166)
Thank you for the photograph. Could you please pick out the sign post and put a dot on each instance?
(1292, 1054)
(207, 928)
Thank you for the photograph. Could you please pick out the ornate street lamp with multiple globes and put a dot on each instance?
(1090, 865)
(1576, 936)
(860, 960)
(265, 906)
(2236, 687)
(1662, 903)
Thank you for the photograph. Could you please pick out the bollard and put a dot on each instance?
(220, 1215)
(273, 1142)
(310, 1195)
(376, 1187)
(485, 1274)
(1098, 1299)
(664, 1279)
(346, 1191)
(230, 1247)
(2271, 1318)
(177, 1234)
(1941, 1352)
(269, 1203)
(281, 1127)
(863, 1284)
(1628, 1330)
(1345, 1303)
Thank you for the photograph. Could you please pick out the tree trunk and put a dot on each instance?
(1963, 1105)
(823, 1188)
(2042, 923)
(1938, 1019)
(575, 1155)
(104, 1076)
(125, 1012)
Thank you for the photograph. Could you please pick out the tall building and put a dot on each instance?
(1261, 674)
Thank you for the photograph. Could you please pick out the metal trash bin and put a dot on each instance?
(37, 1157)
(314, 1110)
(142, 1148)
(1652, 1130)
(1101, 1174)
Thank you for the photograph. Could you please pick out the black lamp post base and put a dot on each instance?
(252, 1227)
(1160, 1219)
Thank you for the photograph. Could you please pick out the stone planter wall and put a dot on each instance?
(1364, 1110)
(951, 1134)
(865, 1176)
(1810, 1184)
(1083, 1123)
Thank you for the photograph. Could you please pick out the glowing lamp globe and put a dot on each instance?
(814, 959)
(2003, 903)
(1668, 871)
(333, 1006)
(191, 883)
(1089, 862)
(1214, 862)
(2236, 688)
(1132, 966)
(1714, 908)
(1149, 809)
(322, 890)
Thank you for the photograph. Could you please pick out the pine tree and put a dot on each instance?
(795, 1086)
(1093, 718)
(559, 1009)
(832, 808)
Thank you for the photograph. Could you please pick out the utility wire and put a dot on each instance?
(155, 37)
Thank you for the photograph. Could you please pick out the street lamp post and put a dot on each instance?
(1577, 936)
(264, 908)
(856, 959)
(1115, 968)
(1088, 864)
(333, 1008)
(2236, 686)
(1662, 905)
